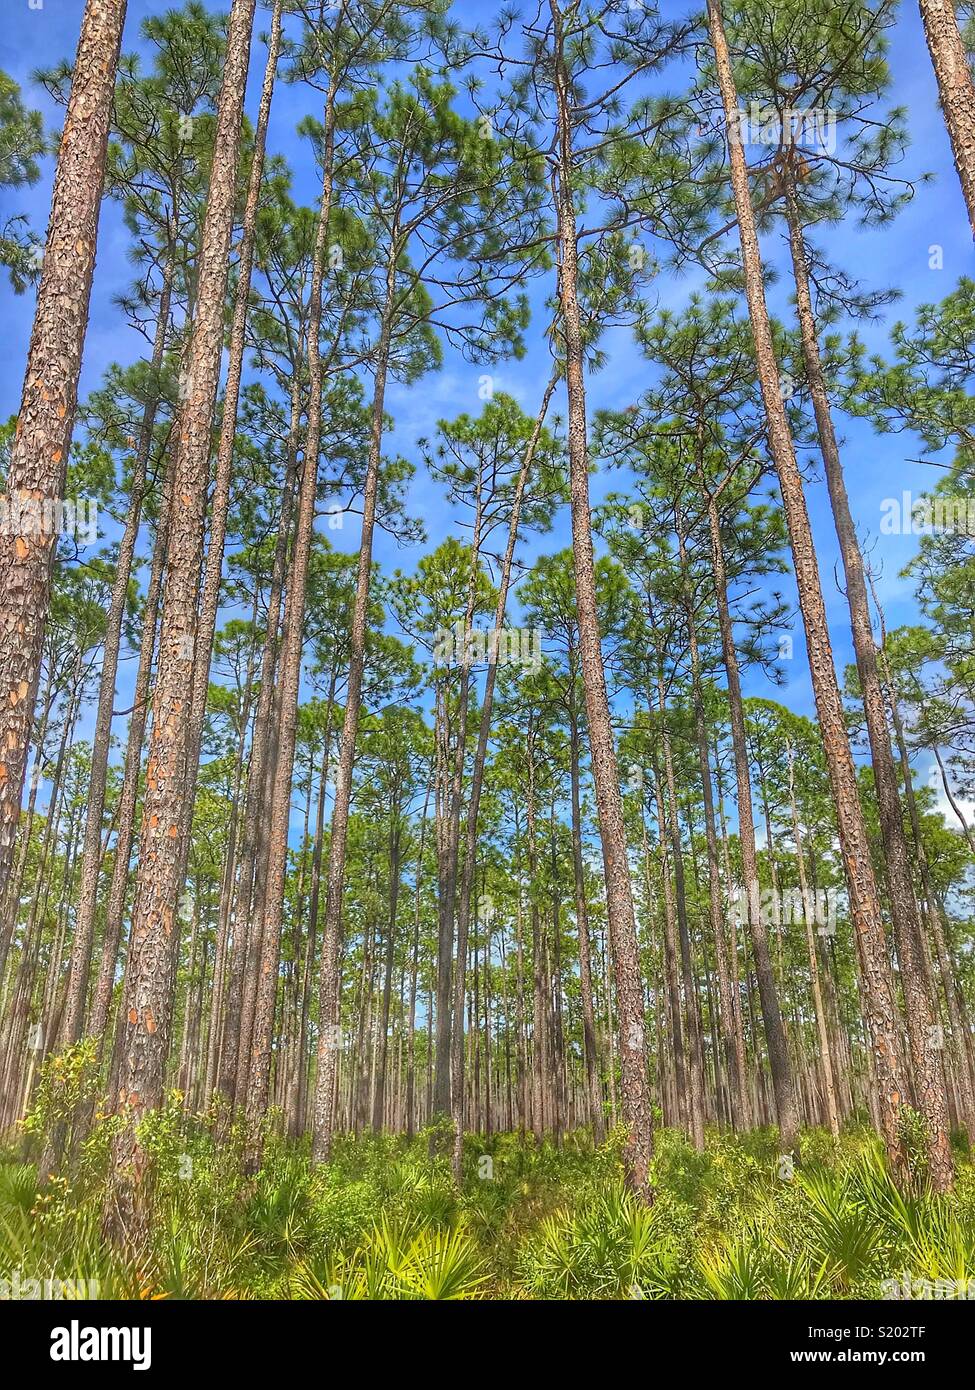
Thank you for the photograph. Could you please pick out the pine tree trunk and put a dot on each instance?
(692, 1015)
(955, 88)
(128, 796)
(733, 962)
(826, 1061)
(329, 1019)
(39, 455)
(379, 1100)
(223, 473)
(315, 898)
(949, 981)
(23, 991)
(637, 1117)
(480, 755)
(414, 972)
(453, 1062)
(246, 907)
(589, 1047)
(10, 900)
(877, 991)
(147, 1008)
(681, 1109)
(919, 1005)
(289, 678)
(227, 882)
(540, 1049)
(72, 1023)
(778, 1051)
(733, 1043)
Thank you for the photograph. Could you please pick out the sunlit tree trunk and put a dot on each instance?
(919, 1005)
(775, 1039)
(329, 1022)
(878, 998)
(289, 676)
(147, 1007)
(955, 88)
(37, 470)
(72, 1023)
(605, 769)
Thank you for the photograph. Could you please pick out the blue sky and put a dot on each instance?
(896, 256)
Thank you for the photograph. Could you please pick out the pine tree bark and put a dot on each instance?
(877, 993)
(39, 455)
(919, 1005)
(621, 918)
(147, 1006)
(72, 1023)
(955, 88)
(775, 1039)
(290, 661)
(329, 1021)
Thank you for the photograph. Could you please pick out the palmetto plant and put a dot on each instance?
(737, 1269)
(38, 1244)
(200, 1259)
(401, 1261)
(280, 1212)
(18, 1188)
(375, 1230)
(612, 1248)
(842, 1233)
(754, 1267)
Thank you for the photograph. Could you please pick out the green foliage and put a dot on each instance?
(383, 1220)
(22, 143)
(67, 1088)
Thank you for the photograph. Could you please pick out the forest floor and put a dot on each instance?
(383, 1220)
